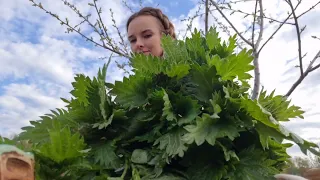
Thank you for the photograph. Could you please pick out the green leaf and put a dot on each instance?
(175, 51)
(148, 64)
(209, 129)
(228, 154)
(204, 82)
(105, 156)
(279, 106)
(140, 156)
(133, 91)
(253, 165)
(207, 171)
(233, 66)
(258, 112)
(62, 145)
(81, 86)
(195, 46)
(172, 143)
(167, 109)
(212, 38)
(178, 71)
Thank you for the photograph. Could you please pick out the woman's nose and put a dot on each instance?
(139, 43)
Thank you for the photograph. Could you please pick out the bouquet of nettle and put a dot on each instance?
(185, 116)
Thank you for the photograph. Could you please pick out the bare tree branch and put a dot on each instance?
(256, 86)
(280, 26)
(305, 74)
(298, 35)
(254, 21)
(314, 68)
(250, 14)
(312, 7)
(206, 17)
(71, 29)
(234, 28)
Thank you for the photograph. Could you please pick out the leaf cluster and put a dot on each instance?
(184, 116)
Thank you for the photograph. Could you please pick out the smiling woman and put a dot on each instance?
(145, 29)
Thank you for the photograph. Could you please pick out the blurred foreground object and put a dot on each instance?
(312, 174)
(15, 164)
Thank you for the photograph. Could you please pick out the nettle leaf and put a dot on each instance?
(133, 91)
(253, 165)
(167, 109)
(179, 70)
(195, 46)
(81, 85)
(175, 51)
(209, 128)
(62, 145)
(279, 106)
(148, 64)
(105, 156)
(205, 81)
(172, 142)
(233, 66)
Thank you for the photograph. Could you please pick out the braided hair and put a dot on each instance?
(157, 13)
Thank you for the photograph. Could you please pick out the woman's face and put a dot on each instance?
(144, 33)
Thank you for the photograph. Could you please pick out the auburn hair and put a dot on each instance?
(157, 13)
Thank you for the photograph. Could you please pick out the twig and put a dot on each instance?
(314, 68)
(122, 42)
(280, 26)
(305, 74)
(248, 14)
(226, 30)
(312, 7)
(234, 28)
(126, 5)
(70, 28)
(298, 35)
(256, 55)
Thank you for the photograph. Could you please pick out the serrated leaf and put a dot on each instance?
(105, 156)
(167, 109)
(207, 171)
(209, 129)
(175, 51)
(133, 91)
(233, 66)
(178, 71)
(279, 106)
(212, 38)
(62, 145)
(228, 154)
(253, 165)
(205, 81)
(148, 64)
(195, 46)
(81, 86)
(172, 143)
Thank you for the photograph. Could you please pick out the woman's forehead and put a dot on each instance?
(142, 24)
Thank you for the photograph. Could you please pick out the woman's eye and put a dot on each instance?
(148, 36)
(132, 41)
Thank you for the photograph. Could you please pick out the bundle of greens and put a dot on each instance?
(185, 116)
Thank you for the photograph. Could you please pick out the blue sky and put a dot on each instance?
(38, 60)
